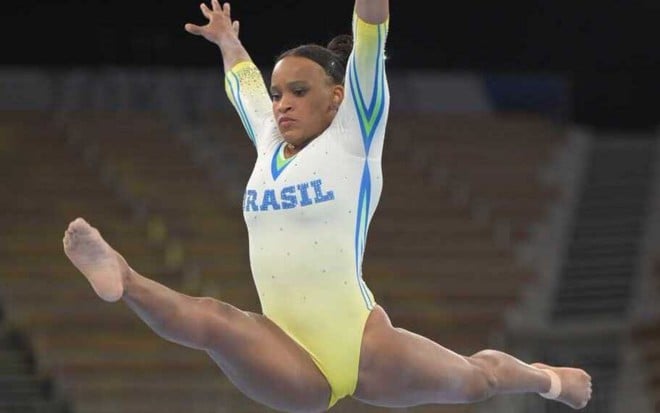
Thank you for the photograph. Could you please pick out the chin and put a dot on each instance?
(286, 134)
(290, 137)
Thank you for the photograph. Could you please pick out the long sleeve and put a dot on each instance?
(366, 103)
(245, 87)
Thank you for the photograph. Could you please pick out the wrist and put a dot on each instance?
(227, 40)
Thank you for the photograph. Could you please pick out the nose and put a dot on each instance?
(284, 105)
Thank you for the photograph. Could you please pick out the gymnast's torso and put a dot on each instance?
(308, 215)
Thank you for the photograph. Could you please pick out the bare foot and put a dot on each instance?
(575, 385)
(102, 265)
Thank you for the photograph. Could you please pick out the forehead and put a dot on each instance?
(296, 68)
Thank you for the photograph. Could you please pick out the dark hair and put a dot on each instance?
(332, 58)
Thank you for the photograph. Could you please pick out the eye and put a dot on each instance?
(275, 96)
(299, 92)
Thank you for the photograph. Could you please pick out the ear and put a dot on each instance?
(337, 96)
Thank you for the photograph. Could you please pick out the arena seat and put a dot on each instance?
(495, 159)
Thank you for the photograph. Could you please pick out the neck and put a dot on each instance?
(292, 148)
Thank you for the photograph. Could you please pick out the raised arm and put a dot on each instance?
(222, 31)
(244, 83)
(372, 11)
(365, 107)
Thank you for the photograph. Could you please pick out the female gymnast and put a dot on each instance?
(308, 203)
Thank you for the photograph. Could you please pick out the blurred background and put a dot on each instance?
(520, 211)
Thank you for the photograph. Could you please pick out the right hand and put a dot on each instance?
(219, 26)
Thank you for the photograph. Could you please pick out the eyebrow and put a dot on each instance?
(292, 84)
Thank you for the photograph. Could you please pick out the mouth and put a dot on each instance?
(285, 122)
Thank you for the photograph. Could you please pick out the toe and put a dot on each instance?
(67, 241)
(79, 225)
(73, 225)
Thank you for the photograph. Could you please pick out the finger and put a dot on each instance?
(216, 5)
(235, 25)
(226, 9)
(205, 10)
(193, 29)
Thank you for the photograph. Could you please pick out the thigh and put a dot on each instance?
(266, 364)
(399, 368)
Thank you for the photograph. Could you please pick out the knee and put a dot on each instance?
(212, 306)
(214, 319)
(481, 382)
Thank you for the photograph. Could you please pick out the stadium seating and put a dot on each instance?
(451, 182)
(72, 334)
(646, 337)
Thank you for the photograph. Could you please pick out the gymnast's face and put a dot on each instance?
(305, 99)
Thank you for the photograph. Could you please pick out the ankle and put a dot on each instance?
(555, 385)
(127, 274)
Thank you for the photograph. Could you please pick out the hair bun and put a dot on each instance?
(341, 45)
